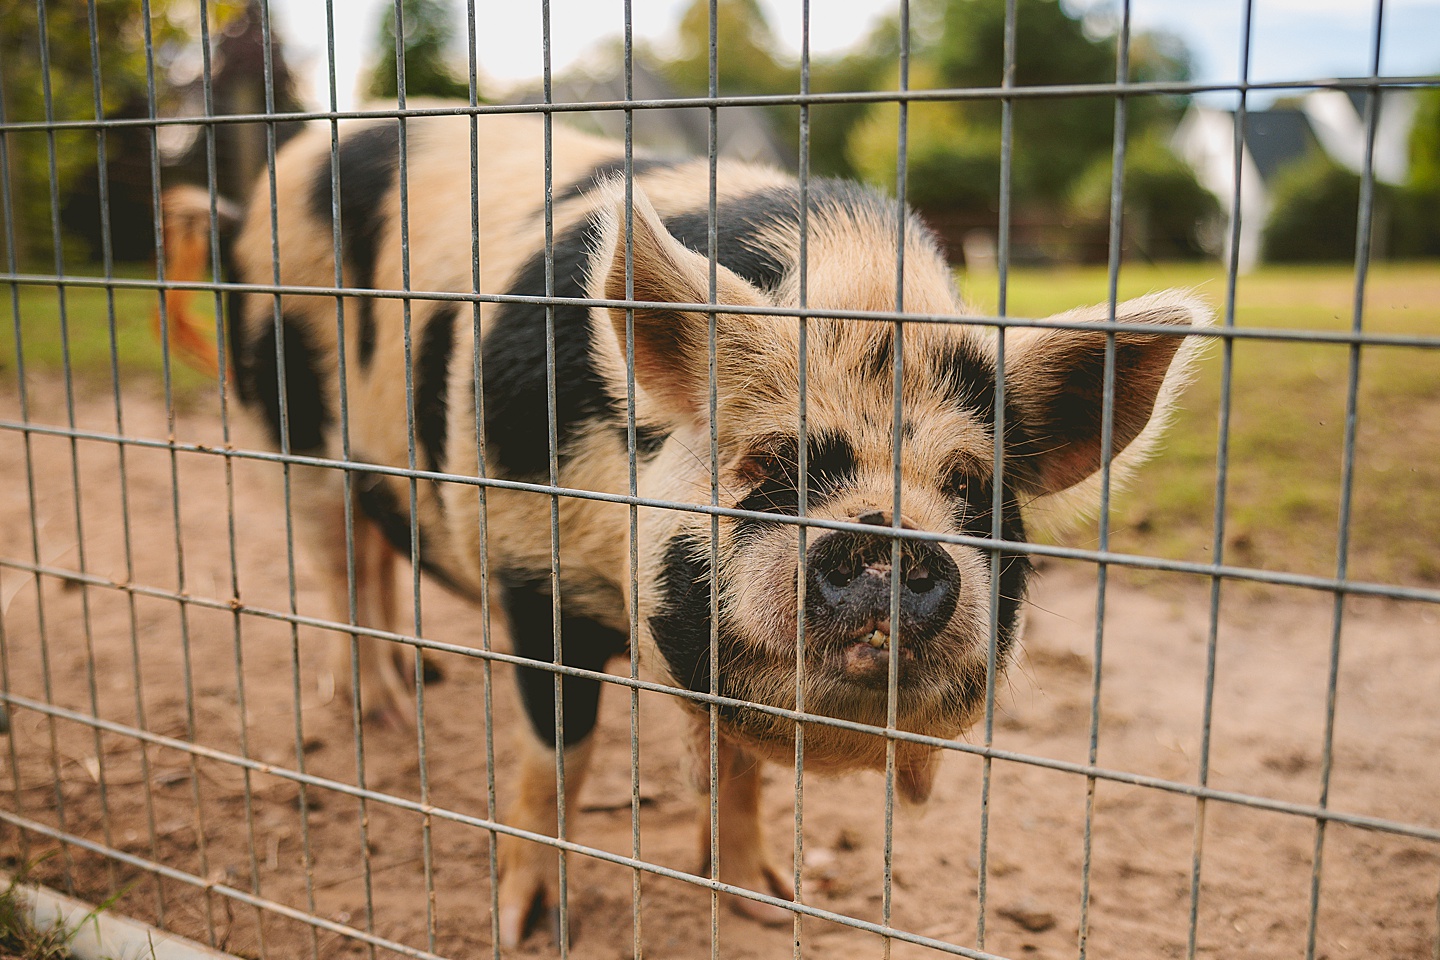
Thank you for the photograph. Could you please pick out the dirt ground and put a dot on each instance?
(78, 647)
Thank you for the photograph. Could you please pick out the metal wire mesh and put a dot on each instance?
(189, 890)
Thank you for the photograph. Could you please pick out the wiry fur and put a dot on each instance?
(948, 400)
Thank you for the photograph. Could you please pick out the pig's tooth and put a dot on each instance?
(877, 639)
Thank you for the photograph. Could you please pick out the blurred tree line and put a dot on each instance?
(86, 60)
(81, 62)
(1062, 147)
(101, 58)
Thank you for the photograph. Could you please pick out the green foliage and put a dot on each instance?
(429, 27)
(1315, 203)
(948, 164)
(1313, 212)
(1425, 142)
(1416, 222)
(1417, 206)
(1167, 215)
(961, 44)
(748, 59)
(66, 41)
(22, 940)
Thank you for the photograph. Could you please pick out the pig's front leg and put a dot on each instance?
(744, 857)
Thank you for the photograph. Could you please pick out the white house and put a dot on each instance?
(1328, 120)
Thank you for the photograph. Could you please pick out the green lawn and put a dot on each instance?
(1287, 423)
(1286, 429)
(87, 333)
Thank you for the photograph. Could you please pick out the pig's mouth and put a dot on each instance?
(864, 657)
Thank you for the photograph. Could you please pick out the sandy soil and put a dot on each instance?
(78, 647)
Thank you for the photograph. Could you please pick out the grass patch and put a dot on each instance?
(1287, 423)
(1287, 409)
(102, 330)
(20, 939)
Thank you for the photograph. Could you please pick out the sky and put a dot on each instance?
(1291, 39)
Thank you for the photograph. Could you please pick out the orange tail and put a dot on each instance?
(186, 213)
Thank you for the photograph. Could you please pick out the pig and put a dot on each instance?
(913, 621)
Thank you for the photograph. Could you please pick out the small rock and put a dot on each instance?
(1028, 915)
(818, 858)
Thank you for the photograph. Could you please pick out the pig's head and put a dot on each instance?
(1054, 437)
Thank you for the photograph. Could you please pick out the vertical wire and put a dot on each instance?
(407, 319)
(803, 448)
(187, 664)
(712, 248)
(553, 429)
(482, 525)
(45, 665)
(352, 585)
(222, 375)
(1107, 446)
(7, 729)
(299, 732)
(997, 488)
(1222, 478)
(892, 682)
(633, 479)
(12, 265)
(86, 624)
(1363, 238)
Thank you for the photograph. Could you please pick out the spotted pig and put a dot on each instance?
(654, 252)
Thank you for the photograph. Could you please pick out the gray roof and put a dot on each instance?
(1277, 138)
(744, 133)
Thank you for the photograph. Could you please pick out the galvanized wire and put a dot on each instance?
(1365, 219)
(39, 569)
(1276, 334)
(997, 481)
(1222, 486)
(1135, 561)
(1058, 91)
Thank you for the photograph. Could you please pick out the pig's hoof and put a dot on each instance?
(525, 901)
(769, 881)
(515, 927)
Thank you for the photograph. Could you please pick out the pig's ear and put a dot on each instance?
(671, 345)
(1055, 379)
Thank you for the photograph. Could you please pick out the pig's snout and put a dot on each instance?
(849, 584)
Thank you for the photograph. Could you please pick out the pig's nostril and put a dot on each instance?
(919, 580)
(841, 575)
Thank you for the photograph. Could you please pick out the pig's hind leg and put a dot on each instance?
(528, 869)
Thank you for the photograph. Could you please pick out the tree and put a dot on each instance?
(748, 60)
(1425, 142)
(1054, 139)
(118, 55)
(1166, 214)
(1417, 208)
(1313, 211)
(429, 26)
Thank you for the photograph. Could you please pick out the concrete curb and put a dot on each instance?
(103, 935)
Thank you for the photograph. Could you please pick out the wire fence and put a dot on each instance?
(173, 745)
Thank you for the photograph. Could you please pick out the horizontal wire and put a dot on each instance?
(1127, 778)
(469, 820)
(1135, 561)
(1059, 91)
(1344, 337)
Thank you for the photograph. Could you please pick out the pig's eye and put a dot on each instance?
(957, 485)
(770, 465)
